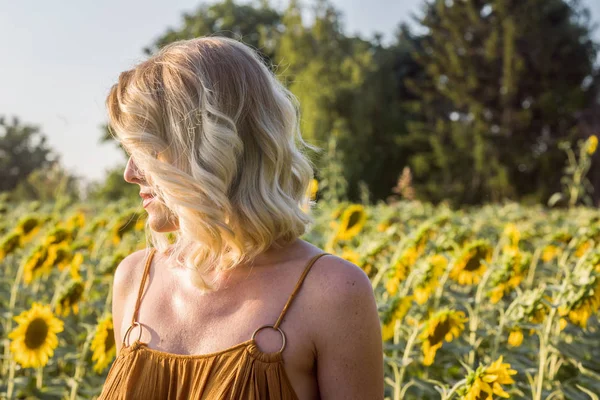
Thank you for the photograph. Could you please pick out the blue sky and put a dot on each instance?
(59, 60)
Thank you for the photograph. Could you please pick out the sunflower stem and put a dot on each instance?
(59, 288)
(544, 343)
(39, 376)
(532, 267)
(11, 379)
(108, 301)
(440, 289)
(11, 309)
(501, 324)
(474, 320)
(397, 375)
(454, 389)
(79, 369)
(407, 351)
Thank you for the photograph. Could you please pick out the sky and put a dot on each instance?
(59, 60)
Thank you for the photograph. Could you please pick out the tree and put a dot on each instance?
(505, 80)
(48, 184)
(113, 187)
(253, 23)
(23, 149)
(347, 88)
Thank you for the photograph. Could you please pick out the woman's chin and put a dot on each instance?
(162, 225)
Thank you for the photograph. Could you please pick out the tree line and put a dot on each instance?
(471, 101)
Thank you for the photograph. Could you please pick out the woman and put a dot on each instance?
(226, 307)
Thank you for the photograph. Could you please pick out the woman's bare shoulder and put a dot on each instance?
(338, 289)
(128, 275)
(346, 330)
(130, 269)
(335, 281)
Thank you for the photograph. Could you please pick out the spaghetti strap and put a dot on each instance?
(295, 291)
(134, 320)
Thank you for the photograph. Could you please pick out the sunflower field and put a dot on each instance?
(483, 303)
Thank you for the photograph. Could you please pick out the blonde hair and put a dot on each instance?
(227, 132)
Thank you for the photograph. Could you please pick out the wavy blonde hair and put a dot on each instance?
(217, 136)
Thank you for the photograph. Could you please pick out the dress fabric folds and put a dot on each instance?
(240, 372)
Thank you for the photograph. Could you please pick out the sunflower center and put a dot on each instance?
(29, 225)
(109, 343)
(475, 262)
(440, 332)
(353, 220)
(36, 333)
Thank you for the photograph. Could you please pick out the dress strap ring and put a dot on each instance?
(129, 330)
(272, 326)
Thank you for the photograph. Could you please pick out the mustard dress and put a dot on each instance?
(238, 372)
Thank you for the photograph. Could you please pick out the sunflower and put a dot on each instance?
(398, 311)
(510, 273)
(70, 298)
(550, 252)
(103, 344)
(485, 382)
(591, 144)
(75, 221)
(470, 265)
(35, 264)
(383, 226)
(515, 337)
(512, 233)
(582, 248)
(353, 220)
(401, 269)
(312, 190)
(59, 256)
(434, 268)
(9, 243)
(537, 313)
(355, 258)
(424, 233)
(76, 262)
(443, 325)
(337, 211)
(58, 235)
(124, 224)
(28, 227)
(140, 224)
(34, 340)
(584, 306)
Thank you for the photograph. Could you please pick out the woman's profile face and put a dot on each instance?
(160, 217)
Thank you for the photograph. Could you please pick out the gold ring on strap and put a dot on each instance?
(271, 326)
(129, 330)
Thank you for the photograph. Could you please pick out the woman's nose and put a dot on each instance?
(132, 173)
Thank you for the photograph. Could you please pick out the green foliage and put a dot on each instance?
(576, 186)
(23, 149)
(48, 184)
(475, 106)
(113, 188)
(504, 80)
(340, 81)
(252, 23)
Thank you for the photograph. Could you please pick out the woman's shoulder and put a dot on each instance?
(130, 269)
(345, 329)
(335, 281)
(126, 281)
